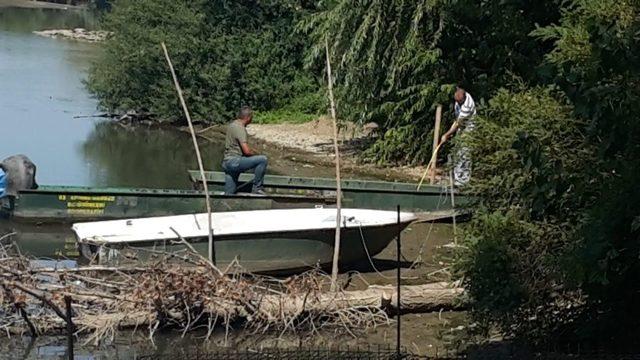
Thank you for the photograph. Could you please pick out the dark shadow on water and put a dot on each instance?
(27, 20)
(144, 157)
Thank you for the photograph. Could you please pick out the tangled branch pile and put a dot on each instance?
(188, 295)
(168, 294)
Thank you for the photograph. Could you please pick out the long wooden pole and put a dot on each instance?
(436, 141)
(433, 160)
(336, 247)
(70, 327)
(398, 299)
(453, 207)
(212, 251)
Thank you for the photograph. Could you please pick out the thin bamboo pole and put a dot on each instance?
(429, 165)
(436, 140)
(212, 251)
(336, 247)
(398, 273)
(453, 207)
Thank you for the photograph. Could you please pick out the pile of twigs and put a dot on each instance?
(187, 295)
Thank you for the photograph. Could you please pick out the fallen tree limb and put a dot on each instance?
(194, 295)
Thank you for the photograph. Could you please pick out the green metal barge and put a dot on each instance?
(360, 194)
(66, 204)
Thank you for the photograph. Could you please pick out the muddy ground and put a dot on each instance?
(307, 150)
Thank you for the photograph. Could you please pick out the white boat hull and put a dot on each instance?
(262, 241)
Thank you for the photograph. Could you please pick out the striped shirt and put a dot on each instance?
(465, 113)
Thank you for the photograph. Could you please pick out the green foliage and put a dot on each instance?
(596, 57)
(282, 116)
(531, 151)
(384, 53)
(299, 110)
(395, 60)
(226, 54)
(486, 44)
(529, 155)
(553, 252)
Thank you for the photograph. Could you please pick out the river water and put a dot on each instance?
(42, 91)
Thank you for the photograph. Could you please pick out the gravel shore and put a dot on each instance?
(31, 4)
(312, 143)
(79, 34)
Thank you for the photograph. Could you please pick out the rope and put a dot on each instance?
(364, 245)
(443, 192)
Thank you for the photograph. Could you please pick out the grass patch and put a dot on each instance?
(283, 117)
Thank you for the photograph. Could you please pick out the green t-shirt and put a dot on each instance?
(236, 134)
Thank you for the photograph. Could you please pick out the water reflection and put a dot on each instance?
(42, 90)
(142, 157)
(40, 241)
(27, 20)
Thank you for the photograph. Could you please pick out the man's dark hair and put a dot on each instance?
(245, 112)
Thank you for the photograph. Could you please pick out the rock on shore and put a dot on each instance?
(75, 34)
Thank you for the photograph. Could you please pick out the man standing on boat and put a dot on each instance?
(465, 110)
(239, 157)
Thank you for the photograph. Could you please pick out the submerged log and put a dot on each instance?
(192, 296)
(414, 298)
(272, 308)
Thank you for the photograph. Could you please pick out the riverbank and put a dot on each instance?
(79, 34)
(308, 147)
(32, 4)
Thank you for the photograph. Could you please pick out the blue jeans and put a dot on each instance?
(233, 167)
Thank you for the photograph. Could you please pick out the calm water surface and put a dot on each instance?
(42, 91)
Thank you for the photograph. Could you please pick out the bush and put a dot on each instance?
(554, 252)
(226, 54)
(529, 156)
(595, 59)
(394, 60)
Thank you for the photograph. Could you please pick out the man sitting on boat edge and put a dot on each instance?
(239, 157)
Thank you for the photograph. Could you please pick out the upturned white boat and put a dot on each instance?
(262, 241)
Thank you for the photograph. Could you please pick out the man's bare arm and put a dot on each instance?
(246, 150)
(450, 133)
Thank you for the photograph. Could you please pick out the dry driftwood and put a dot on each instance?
(190, 295)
